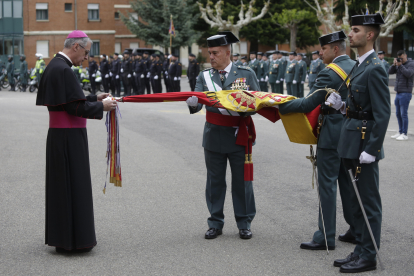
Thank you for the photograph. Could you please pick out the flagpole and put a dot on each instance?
(170, 35)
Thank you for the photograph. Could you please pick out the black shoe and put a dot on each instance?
(347, 237)
(245, 234)
(315, 246)
(74, 251)
(212, 233)
(359, 265)
(351, 257)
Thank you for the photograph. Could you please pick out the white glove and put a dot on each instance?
(192, 101)
(166, 73)
(257, 80)
(302, 82)
(156, 77)
(267, 78)
(366, 158)
(166, 77)
(262, 79)
(129, 75)
(335, 101)
(197, 78)
(294, 81)
(117, 76)
(106, 76)
(110, 73)
(148, 75)
(93, 75)
(281, 79)
(134, 74)
(179, 78)
(175, 78)
(122, 70)
(277, 81)
(142, 76)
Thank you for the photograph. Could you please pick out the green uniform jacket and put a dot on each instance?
(262, 70)
(220, 138)
(315, 67)
(274, 68)
(386, 65)
(282, 69)
(300, 71)
(23, 72)
(237, 63)
(290, 70)
(10, 68)
(369, 85)
(331, 124)
(253, 65)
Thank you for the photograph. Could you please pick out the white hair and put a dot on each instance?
(83, 41)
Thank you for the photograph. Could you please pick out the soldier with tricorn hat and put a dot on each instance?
(220, 138)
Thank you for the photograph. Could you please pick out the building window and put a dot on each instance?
(95, 50)
(42, 47)
(18, 46)
(116, 15)
(133, 17)
(93, 11)
(118, 47)
(68, 7)
(17, 9)
(389, 47)
(7, 5)
(42, 12)
(243, 47)
(133, 45)
(8, 46)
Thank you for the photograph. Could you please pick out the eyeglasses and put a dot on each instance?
(86, 51)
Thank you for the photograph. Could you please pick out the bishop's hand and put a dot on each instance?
(102, 96)
(108, 104)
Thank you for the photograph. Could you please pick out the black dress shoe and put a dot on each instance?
(212, 233)
(351, 257)
(347, 237)
(359, 265)
(315, 246)
(245, 234)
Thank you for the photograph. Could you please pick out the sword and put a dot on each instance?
(312, 158)
(365, 215)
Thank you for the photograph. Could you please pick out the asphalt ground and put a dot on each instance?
(155, 223)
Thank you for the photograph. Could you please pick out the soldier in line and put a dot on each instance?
(147, 62)
(24, 76)
(126, 71)
(134, 85)
(274, 68)
(140, 71)
(236, 60)
(253, 63)
(104, 68)
(381, 55)
(281, 73)
(315, 67)
(165, 66)
(244, 61)
(116, 72)
(261, 73)
(300, 75)
(110, 80)
(93, 68)
(193, 71)
(290, 75)
(174, 73)
(155, 73)
(10, 72)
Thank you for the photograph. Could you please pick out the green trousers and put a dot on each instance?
(274, 87)
(241, 191)
(289, 88)
(368, 187)
(301, 90)
(330, 172)
(295, 89)
(263, 86)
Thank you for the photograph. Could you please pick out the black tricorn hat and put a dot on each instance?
(381, 53)
(367, 19)
(222, 39)
(243, 57)
(116, 54)
(292, 53)
(191, 55)
(276, 52)
(127, 51)
(139, 54)
(333, 37)
(315, 53)
(260, 53)
(111, 57)
(253, 52)
(236, 55)
(175, 55)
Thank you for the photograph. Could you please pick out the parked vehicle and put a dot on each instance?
(33, 82)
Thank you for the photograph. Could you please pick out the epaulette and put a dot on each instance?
(375, 61)
(179, 63)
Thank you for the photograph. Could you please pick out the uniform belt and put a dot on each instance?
(328, 111)
(359, 115)
(245, 136)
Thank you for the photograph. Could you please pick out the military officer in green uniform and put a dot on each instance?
(330, 169)
(219, 141)
(253, 63)
(244, 61)
(274, 68)
(368, 111)
(10, 73)
(281, 72)
(24, 76)
(290, 74)
(236, 60)
(381, 55)
(262, 74)
(300, 75)
(315, 67)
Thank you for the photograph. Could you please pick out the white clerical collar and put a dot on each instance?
(61, 53)
(364, 56)
(338, 57)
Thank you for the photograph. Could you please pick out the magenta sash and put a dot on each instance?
(61, 119)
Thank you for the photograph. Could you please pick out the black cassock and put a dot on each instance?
(69, 206)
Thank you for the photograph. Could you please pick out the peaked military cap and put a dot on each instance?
(236, 55)
(191, 55)
(381, 53)
(333, 37)
(367, 19)
(293, 53)
(260, 53)
(222, 39)
(315, 53)
(243, 57)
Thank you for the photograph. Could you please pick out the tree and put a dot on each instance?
(153, 22)
(215, 20)
(290, 19)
